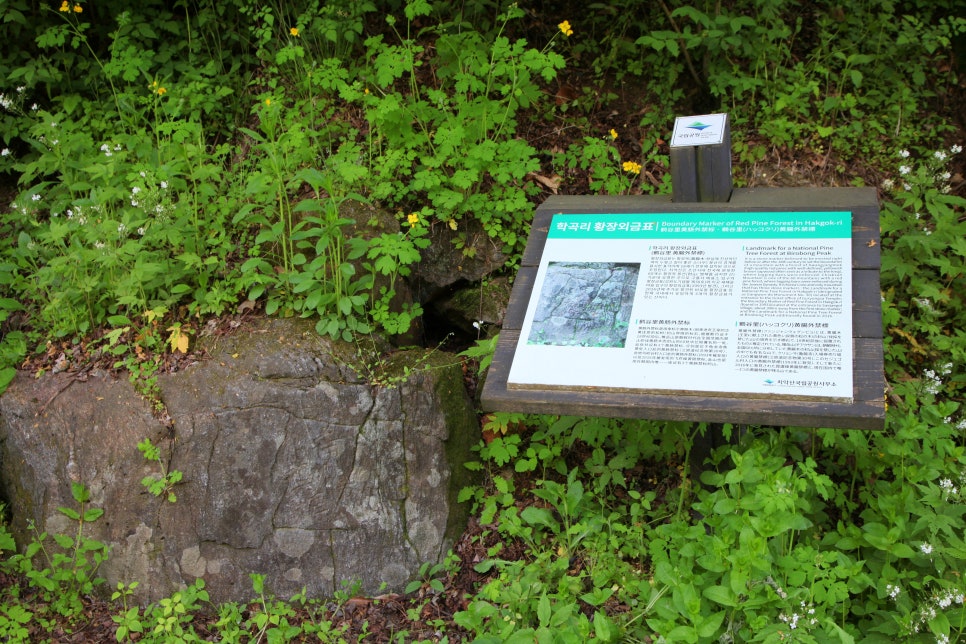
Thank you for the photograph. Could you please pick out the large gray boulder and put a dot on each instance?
(295, 466)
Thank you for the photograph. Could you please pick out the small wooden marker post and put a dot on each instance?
(701, 172)
(701, 159)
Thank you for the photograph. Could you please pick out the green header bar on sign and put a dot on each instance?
(701, 225)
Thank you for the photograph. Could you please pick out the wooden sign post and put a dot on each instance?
(701, 158)
(761, 309)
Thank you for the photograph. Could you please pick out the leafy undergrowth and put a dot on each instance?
(157, 200)
(29, 611)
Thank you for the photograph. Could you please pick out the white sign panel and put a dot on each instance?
(707, 129)
(755, 304)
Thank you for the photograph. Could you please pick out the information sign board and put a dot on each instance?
(747, 303)
(764, 309)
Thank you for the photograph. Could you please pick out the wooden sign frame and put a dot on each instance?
(867, 409)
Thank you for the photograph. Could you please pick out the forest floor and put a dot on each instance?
(427, 613)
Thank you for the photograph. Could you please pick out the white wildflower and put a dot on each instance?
(940, 155)
(925, 548)
(5, 152)
(35, 197)
(894, 591)
(98, 244)
(888, 184)
(164, 185)
(121, 228)
(904, 169)
(956, 149)
(791, 620)
(904, 154)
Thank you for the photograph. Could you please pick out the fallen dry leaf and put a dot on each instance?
(550, 183)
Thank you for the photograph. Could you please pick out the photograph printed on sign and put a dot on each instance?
(585, 304)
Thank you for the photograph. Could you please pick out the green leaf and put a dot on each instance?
(486, 565)
(80, 492)
(538, 516)
(64, 541)
(345, 305)
(150, 451)
(93, 514)
(70, 513)
(604, 628)
(721, 595)
(7, 541)
(543, 609)
(709, 626)
(7, 375)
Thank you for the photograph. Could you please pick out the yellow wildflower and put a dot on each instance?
(565, 28)
(162, 91)
(294, 31)
(65, 7)
(78, 8)
(452, 224)
(413, 218)
(268, 101)
(633, 168)
(613, 133)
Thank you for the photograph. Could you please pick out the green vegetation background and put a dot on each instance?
(164, 162)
